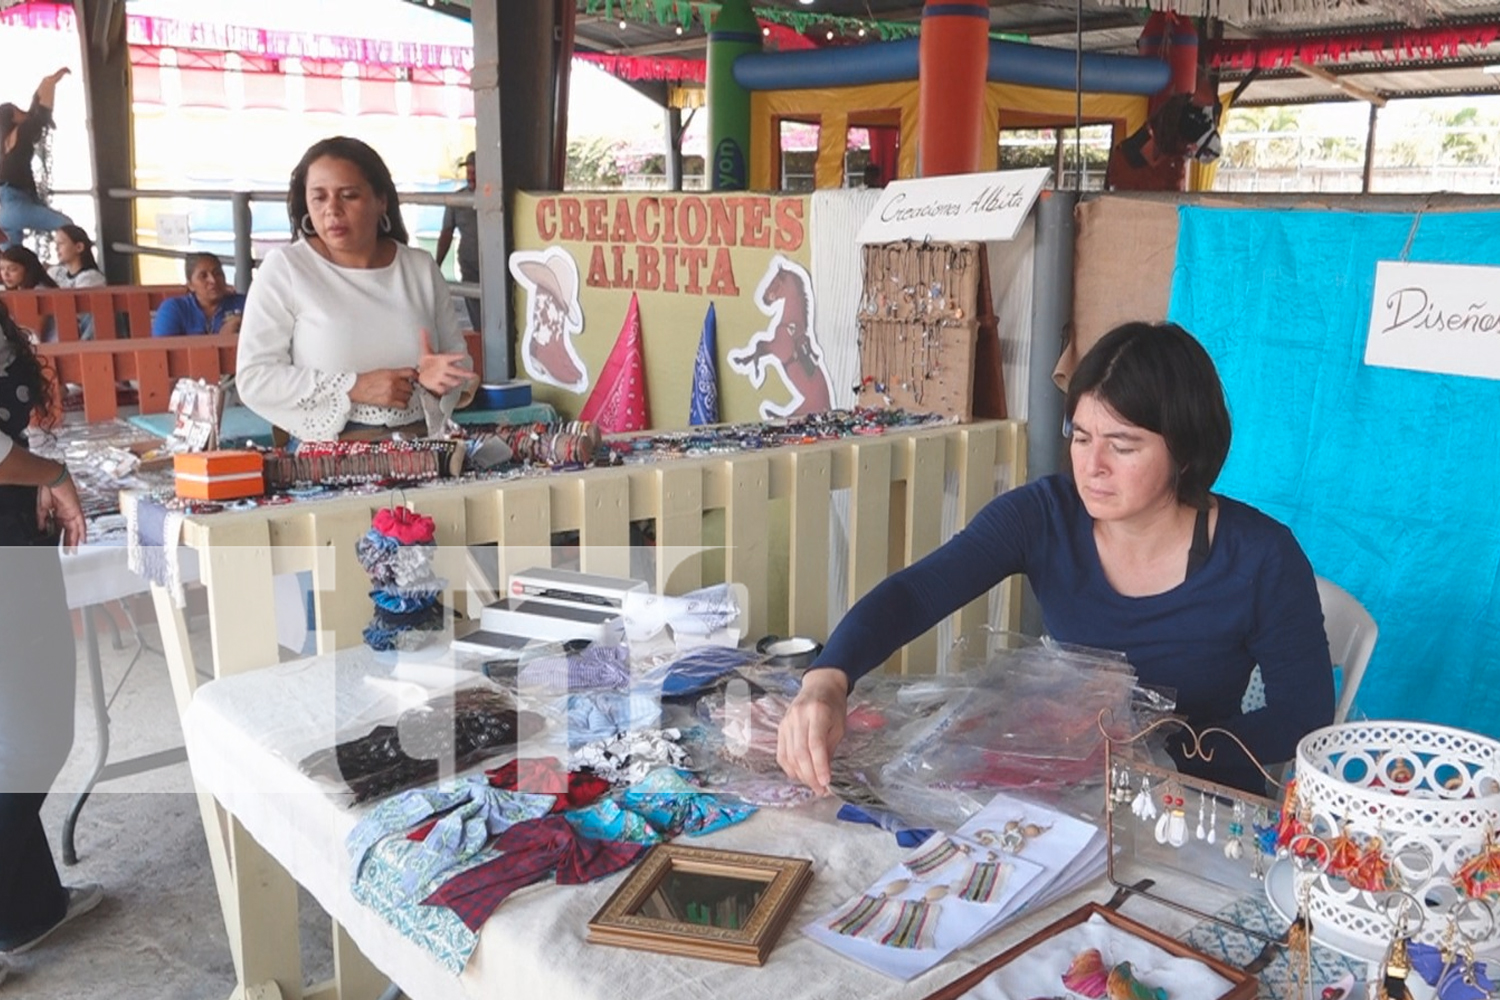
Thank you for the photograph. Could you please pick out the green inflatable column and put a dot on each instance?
(735, 31)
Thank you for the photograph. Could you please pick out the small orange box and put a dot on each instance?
(219, 475)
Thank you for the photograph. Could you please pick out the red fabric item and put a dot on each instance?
(265, 90)
(618, 402)
(404, 525)
(885, 142)
(429, 101)
(145, 85)
(377, 97)
(203, 88)
(547, 776)
(532, 850)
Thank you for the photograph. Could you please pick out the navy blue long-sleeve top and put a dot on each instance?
(1254, 601)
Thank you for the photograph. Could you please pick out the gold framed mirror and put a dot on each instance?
(727, 906)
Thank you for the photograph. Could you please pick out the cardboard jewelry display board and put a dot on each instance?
(924, 315)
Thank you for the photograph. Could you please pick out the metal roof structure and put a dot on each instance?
(1389, 48)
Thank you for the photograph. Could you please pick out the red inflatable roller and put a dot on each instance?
(953, 59)
(1172, 39)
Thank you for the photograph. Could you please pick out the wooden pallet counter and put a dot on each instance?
(758, 518)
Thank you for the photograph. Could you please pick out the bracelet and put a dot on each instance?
(61, 476)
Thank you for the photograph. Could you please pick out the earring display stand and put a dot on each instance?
(928, 340)
(1178, 868)
(1421, 804)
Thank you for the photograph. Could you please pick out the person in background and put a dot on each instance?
(21, 207)
(1131, 552)
(466, 221)
(38, 508)
(872, 178)
(76, 266)
(22, 269)
(209, 306)
(348, 331)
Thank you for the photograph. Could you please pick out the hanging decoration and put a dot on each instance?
(1247, 12)
(1436, 42)
(683, 13)
(647, 67)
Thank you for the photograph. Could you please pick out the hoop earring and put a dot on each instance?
(385, 223)
(306, 225)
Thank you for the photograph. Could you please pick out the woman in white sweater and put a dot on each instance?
(349, 332)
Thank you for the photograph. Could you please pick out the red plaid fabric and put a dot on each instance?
(533, 849)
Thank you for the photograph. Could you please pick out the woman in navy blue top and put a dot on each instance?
(1131, 553)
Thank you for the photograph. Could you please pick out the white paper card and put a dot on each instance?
(959, 207)
(1442, 318)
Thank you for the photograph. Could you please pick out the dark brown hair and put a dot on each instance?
(375, 172)
(1156, 376)
(36, 274)
(29, 370)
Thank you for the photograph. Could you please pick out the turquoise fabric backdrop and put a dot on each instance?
(1390, 479)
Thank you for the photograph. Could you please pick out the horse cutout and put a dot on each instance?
(788, 343)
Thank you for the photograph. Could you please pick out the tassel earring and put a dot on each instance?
(984, 880)
(916, 923)
(860, 918)
(933, 855)
(1201, 833)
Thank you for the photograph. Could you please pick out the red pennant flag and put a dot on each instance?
(618, 402)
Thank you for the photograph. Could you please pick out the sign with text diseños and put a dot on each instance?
(959, 207)
(1442, 318)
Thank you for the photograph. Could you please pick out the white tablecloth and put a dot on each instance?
(244, 734)
(97, 573)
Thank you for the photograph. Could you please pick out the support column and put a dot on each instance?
(1051, 324)
(1369, 174)
(106, 84)
(514, 151)
(674, 148)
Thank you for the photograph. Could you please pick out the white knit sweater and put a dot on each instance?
(311, 327)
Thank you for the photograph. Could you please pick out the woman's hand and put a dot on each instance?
(59, 505)
(55, 77)
(813, 727)
(391, 387)
(440, 374)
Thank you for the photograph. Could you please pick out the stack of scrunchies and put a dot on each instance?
(397, 552)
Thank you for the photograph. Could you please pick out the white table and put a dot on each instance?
(244, 734)
(96, 575)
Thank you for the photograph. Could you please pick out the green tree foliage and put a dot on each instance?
(593, 163)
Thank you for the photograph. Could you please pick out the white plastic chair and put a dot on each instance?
(1351, 639)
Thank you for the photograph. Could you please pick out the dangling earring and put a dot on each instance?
(984, 880)
(859, 918)
(934, 855)
(1201, 833)
(385, 223)
(916, 922)
(1234, 849)
(307, 225)
(1213, 822)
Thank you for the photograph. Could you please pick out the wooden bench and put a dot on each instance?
(154, 364)
(64, 306)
